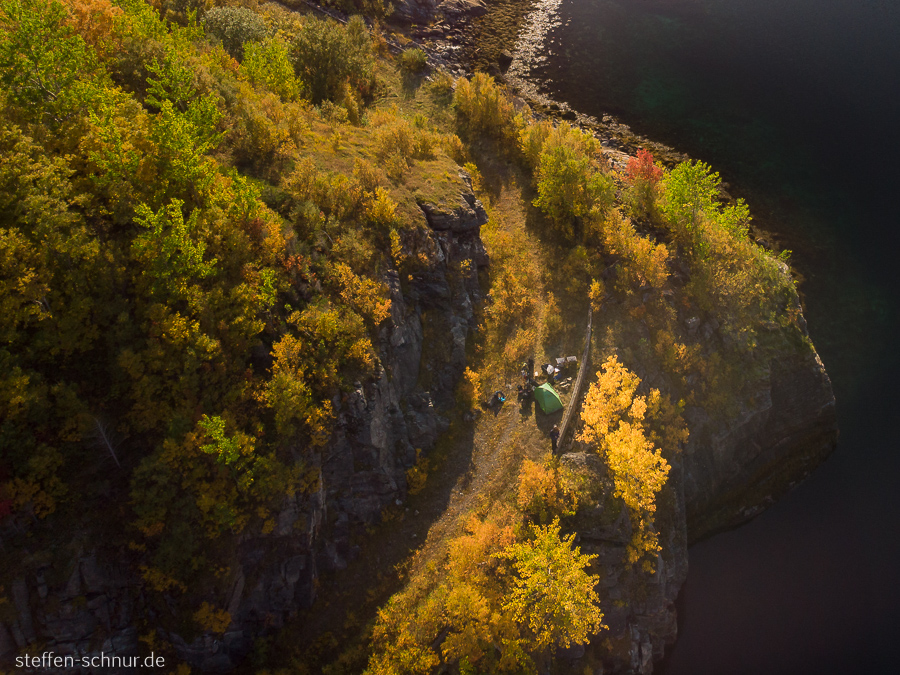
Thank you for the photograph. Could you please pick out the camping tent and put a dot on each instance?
(547, 398)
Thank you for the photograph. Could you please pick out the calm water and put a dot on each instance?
(797, 104)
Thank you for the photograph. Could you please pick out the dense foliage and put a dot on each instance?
(502, 603)
(170, 343)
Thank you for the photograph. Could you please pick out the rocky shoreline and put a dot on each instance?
(504, 39)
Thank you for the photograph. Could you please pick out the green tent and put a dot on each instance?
(547, 398)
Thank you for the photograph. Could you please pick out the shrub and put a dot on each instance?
(645, 263)
(268, 64)
(469, 391)
(234, 27)
(454, 148)
(441, 84)
(396, 167)
(569, 181)
(350, 103)
(413, 60)
(335, 196)
(382, 211)
(544, 492)
(334, 113)
(417, 476)
(327, 54)
(254, 137)
(483, 107)
(370, 177)
(395, 138)
(531, 141)
(642, 177)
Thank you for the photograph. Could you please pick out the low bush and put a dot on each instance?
(441, 84)
(642, 177)
(412, 61)
(483, 107)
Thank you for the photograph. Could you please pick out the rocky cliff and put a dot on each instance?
(728, 473)
(99, 604)
(786, 429)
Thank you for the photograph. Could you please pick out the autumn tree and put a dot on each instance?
(552, 597)
(569, 179)
(644, 261)
(642, 177)
(545, 491)
(624, 428)
(501, 604)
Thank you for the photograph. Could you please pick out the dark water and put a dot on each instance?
(797, 104)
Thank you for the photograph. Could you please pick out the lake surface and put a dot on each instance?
(797, 104)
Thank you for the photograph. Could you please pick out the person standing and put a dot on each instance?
(554, 436)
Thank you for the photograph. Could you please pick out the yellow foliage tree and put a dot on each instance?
(499, 604)
(211, 619)
(364, 295)
(543, 491)
(645, 263)
(624, 428)
(553, 596)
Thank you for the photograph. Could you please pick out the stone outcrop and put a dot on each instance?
(96, 604)
(415, 11)
(423, 11)
(786, 428)
(727, 474)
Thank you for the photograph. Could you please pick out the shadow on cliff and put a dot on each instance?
(348, 599)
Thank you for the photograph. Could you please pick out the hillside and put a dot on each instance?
(260, 277)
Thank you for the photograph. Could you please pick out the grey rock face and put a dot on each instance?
(732, 473)
(455, 8)
(463, 214)
(415, 11)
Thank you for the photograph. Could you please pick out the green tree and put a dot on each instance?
(44, 67)
(326, 55)
(568, 177)
(689, 192)
(268, 64)
(170, 251)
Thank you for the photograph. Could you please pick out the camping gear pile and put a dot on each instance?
(545, 394)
